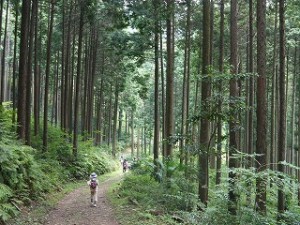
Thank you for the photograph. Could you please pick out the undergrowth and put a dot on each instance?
(175, 200)
(28, 174)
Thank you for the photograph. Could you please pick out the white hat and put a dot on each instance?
(93, 175)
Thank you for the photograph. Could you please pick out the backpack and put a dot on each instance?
(93, 184)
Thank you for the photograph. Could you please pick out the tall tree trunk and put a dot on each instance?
(120, 125)
(93, 77)
(71, 94)
(22, 84)
(85, 90)
(132, 133)
(2, 78)
(47, 76)
(298, 129)
(36, 105)
(63, 59)
(212, 153)
(14, 62)
(3, 74)
(156, 83)
(100, 115)
(282, 108)
(293, 114)
(221, 69)
(55, 91)
(101, 100)
(163, 98)
(206, 91)
(251, 86)
(186, 82)
(77, 91)
(67, 80)
(109, 119)
(29, 71)
(169, 117)
(115, 119)
(274, 96)
(233, 123)
(261, 109)
(211, 30)
(138, 147)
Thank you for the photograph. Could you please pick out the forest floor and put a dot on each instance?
(75, 209)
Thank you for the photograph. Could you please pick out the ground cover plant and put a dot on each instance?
(175, 200)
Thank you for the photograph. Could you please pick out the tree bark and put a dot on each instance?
(67, 80)
(156, 83)
(36, 106)
(77, 91)
(169, 117)
(221, 70)
(294, 89)
(3, 74)
(233, 123)
(282, 108)
(206, 92)
(251, 87)
(261, 109)
(29, 71)
(47, 76)
(23, 76)
(163, 125)
(132, 133)
(186, 82)
(14, 63)
(63, 59)
(274, 97)
(115, 119)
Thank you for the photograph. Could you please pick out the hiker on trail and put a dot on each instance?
(93, 183)
(125, 165)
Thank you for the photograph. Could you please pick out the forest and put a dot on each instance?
(202, 98)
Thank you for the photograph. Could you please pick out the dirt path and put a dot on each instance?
(75, 209)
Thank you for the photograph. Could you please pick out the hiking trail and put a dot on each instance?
(75, 209)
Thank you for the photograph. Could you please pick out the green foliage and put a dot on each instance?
(60, 160)
(22, 173)
(28, 174)
(177, 197)
(7, 210)
(90, 160)
(169, 194)
(21, 176)
(59, 147)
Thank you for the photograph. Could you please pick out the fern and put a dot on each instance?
(7, 210)
(5, 193)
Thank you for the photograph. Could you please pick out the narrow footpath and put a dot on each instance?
(75, 209)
